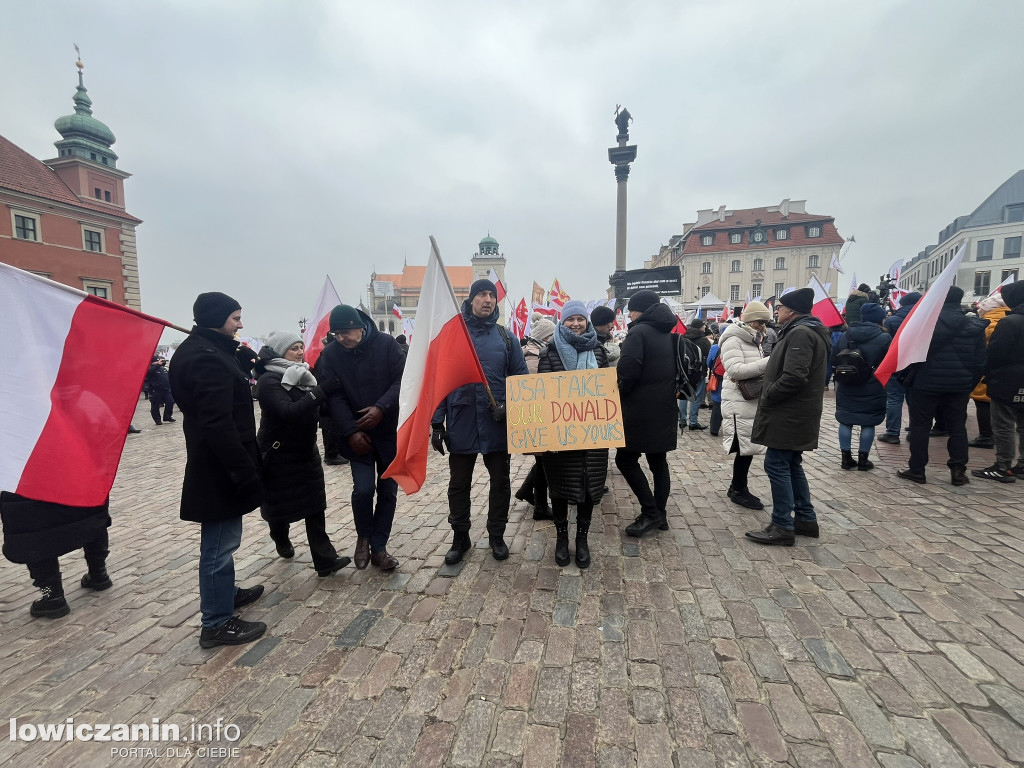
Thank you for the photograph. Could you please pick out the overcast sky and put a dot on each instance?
(272, 143)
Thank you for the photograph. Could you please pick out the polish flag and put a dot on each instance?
(547, 311)
(999, 288)
(73, 370)
(745, 303)
(914, 336)
(320, 325)
(726, 314)
(824, 308)
(441, 358)
(500, 286)
(397, 312)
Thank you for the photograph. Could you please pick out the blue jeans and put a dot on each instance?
(688, 409)
(894, 395)
(867, 436)
(790, 492)
(373, 524)
(217, 544)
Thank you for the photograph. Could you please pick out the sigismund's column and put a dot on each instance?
(621, 156)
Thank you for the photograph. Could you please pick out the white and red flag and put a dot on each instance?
(726, 314)
(546, 310)
(557, 297)
(498, 285)
(914, 336)
(319, 324)
(73, 370)
(397, 312)
(520, 320)
(1012, 278)
(835, 263)
(441, 358)
(823, 307)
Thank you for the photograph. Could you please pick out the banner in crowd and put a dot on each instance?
(74, 366)
(565, 411)
(667, 281)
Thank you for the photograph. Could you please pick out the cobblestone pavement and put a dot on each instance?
(897, 639)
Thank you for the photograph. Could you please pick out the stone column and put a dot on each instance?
(621, 156)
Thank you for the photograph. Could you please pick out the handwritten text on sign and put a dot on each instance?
(565, 411)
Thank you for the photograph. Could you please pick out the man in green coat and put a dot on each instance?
(789, 417)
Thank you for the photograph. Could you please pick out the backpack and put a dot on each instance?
(689, 368)
(851, 367)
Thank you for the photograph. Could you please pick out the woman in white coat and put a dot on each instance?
(740, 349)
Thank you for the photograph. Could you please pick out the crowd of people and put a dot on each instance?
(765, 378)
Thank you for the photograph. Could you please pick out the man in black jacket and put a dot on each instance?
(1004, 373)
(222, 478)
(368, 366)
(942, 384)
(895, 392)
(159, 391)
(690, 409)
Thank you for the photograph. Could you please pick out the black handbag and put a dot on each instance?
(750, 388)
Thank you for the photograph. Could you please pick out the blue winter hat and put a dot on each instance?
(872, 313)
(480, 286)
(573, 307)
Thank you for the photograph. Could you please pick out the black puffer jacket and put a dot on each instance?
(862, 404)
(956, 356)
(1004, 369)
(293, 477)
(647, 382)
(40, 530)
(569, 473)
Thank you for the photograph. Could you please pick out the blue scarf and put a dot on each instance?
(576, 352)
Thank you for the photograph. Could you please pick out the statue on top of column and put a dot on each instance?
(622, 119)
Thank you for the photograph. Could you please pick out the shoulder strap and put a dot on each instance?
(508, 339)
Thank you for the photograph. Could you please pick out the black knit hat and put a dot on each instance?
(345, 318)
(955, 295)
(213, 309)
(1013, 294)
(641, 301)
(602, 316)
(481, 285)
(800, 300)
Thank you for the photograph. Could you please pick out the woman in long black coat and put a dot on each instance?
(863, 404)
(293, 477)
(574, 476)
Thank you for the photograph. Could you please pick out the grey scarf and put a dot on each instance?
(292, 374)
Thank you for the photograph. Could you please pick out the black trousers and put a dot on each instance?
(584, 513)
(320, 546)
(46, 573)
(984, 411)
(331, 435)
(651, 503)
(537, 482)
(740, 470)
(500, 495)
(951, 407)
(161, 398)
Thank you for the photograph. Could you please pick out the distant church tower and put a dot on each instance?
(484, 261)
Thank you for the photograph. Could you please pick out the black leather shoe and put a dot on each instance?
(244, 596)
(542, 511)
(772, 535)
(746, 499)
(172, 420)
(334, 567)
(133, 430)
(805, 529)
(460, 546)
(285, 549)
(498, 548)
(50, 605)
(982, 442)
(97, 581)
(644, 524)
(384, 560)
(906, 474)
(958, 476)
(362, 552)
(234, 631)
(891, 439)
(525, 494)
(697, 426)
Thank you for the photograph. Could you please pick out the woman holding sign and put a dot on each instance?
(574, 476)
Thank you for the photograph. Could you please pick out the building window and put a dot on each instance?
(1007, 273)
(756, 289)
(735, 266)
(26, 227)
(779, 288)
(1015, 213)
(99, 288)
(984, 250)
(106, 197)
(812, 261)
(981, 283)
(780, 262)
(758, 265)
(98, 193)
(705, 290)
(707, 240)
(757, 236)
(736, 237)
(734, 293)
(93, 240)
(705, 268)
(782, 234)
(814, 231)
(1011, 248)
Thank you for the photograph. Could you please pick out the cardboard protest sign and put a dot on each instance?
(565, 411)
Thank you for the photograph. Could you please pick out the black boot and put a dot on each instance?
(460, 545)
(848, 462)
(958, 475)
(862, 462)
(582, 545)
(52, 604)
(562, 542)
(97, 580)
(645, 523)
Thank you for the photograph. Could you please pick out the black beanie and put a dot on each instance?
(641, 301)
(1013, 294)
(345, 318)
(955, 295)
(481, 285)
(213, 309)
(800, 300)
(602, 316)
(864, 287)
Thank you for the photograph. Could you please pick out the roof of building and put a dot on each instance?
(20, 172)
(991, 211)
(796, 236)
(769, 216)
(411, 277)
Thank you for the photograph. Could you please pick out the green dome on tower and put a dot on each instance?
(82, 135)
(488, 246)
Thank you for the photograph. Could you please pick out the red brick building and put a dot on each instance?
(65, 218)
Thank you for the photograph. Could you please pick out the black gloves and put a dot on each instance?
(439, 438)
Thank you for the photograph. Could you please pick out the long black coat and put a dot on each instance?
(956, 356)
(222, 477)
(40, 530)
(571, 474)
(647, 382)
(293, 475)
(862, 404)
(1004, 370)
(789, 411)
